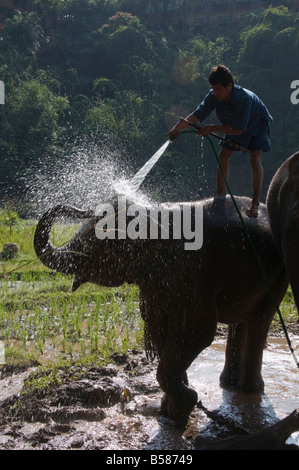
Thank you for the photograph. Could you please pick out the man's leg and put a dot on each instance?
(257, 180)
(224, 156)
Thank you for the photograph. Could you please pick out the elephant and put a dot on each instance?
(283, 209)
(184, 293)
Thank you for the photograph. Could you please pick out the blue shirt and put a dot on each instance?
(243, 110)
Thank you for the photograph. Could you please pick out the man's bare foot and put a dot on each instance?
(253, 211)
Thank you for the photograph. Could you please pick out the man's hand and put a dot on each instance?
(173, 134)
(206, 130)
(181, 125)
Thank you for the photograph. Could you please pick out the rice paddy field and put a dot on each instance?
(42, 320)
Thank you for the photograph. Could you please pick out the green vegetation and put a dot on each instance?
(93, 68)
(42, 320)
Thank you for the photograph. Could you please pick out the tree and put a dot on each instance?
(268, 63)
(22, 33)
(125, 38)
(9, 218)
(20, 40)
(29, 123)
(77, 68)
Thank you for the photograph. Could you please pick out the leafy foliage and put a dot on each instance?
(82, 67)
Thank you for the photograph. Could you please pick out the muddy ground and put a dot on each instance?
(118, 407)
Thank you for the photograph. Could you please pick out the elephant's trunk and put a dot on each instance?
(64, 259)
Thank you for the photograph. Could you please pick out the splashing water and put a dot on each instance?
(129, 188)
(90, 174)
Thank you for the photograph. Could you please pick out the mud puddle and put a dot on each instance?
(117, 407)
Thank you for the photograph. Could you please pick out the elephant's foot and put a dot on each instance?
(233, 380)
(251, 386)
(229, 378)
(180, 408)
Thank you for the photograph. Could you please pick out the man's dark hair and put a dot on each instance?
(222, 75)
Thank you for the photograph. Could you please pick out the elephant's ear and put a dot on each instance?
(292, 181)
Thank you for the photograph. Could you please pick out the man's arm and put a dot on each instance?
(206, 130)
(181, 125)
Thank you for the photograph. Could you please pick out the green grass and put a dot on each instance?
(41, 319)
(22, 234)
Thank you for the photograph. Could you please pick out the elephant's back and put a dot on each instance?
(226, 229)
(223, 211)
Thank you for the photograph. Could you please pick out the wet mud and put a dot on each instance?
(118, 407)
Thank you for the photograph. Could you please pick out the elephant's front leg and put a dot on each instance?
(182, 346)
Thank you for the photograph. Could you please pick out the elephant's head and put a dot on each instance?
(293, 174)
(85, 255)
(292, 187)
(111, 243)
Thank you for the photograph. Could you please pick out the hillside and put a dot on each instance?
(97, 77)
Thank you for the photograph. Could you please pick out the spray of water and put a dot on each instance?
(88, 175)
(139, 177)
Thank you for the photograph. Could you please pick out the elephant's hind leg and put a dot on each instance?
(243, 358)
(246, 343)
(244, 353)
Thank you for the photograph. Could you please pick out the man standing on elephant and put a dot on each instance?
(245, 121)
